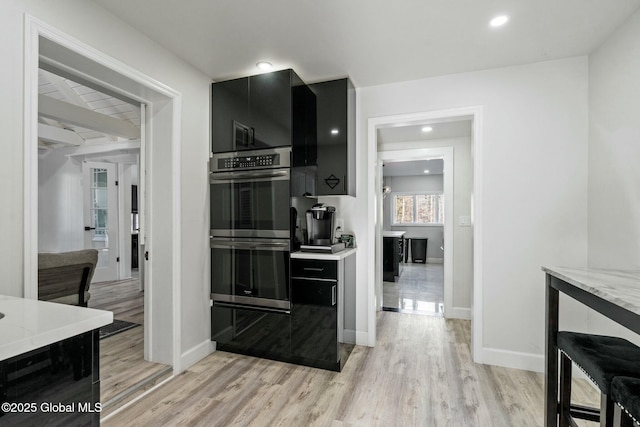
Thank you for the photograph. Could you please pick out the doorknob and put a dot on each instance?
(89, 228)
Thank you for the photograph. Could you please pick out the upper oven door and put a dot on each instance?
(252, 203)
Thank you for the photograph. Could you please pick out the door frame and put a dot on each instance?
(160, 152)
(374, 222)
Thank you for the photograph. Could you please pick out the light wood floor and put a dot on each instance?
(122, 364)
(419, 374)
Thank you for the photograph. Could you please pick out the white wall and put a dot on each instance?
(614, 158)
(95, 27)
(60, 203)
(534, 188)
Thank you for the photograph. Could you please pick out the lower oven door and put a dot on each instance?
(251, 273)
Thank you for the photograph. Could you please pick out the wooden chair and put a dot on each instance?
(65, 277)
(601, 358)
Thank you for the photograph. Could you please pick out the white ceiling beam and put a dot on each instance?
(70, 95)
(57, 135)
(103, 148)
(68, 113)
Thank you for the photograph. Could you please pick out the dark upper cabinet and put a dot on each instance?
(335, 102)
(253, 112)
(304, 152)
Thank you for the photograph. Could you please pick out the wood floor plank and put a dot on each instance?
(419, 374)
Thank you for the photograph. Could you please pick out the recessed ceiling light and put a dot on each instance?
(264, 65)
(499, 21)
(426, 171)
(427, 129)
(334, 131)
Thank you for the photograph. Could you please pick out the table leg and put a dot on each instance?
(551, 355)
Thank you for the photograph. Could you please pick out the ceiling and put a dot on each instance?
(71, 114)
(373, 42)
(413, 167)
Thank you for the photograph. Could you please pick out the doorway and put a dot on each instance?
(413, 236)
(465, 305)
(157, 192)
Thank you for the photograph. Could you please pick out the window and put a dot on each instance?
(418, 209)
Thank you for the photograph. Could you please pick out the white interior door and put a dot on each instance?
(101, 217)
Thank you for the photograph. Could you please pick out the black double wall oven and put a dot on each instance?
(250, 248)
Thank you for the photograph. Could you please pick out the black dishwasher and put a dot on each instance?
(314, 314)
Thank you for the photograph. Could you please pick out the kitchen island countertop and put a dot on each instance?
(29, 324)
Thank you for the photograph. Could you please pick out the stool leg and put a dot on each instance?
(565, 390)
(606, 410)
(620, 419)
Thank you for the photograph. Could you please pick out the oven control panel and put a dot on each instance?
(257, 159)
(243, 162)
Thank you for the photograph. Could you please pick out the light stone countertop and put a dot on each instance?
(393, 233)
(29, 324)
(326, 256)
(620, 287)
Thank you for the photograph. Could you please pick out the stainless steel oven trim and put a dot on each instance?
(235, 301)
(284, 152)
(253, 176)
(226, 233)
(282, 245)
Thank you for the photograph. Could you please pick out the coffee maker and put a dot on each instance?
(321, 230)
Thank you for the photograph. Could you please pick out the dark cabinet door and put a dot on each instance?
(230, 115)
(335, 102)
(314, 320)
(252, 112)
(253, 332)
(270, 109)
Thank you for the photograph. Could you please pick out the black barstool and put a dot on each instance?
(601, 358)
(625, 392)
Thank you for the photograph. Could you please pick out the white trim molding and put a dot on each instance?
(373, 226)
(158, 98)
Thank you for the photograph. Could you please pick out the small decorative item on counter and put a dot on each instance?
(348, 240)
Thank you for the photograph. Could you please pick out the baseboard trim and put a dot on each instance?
(362, 338)
(350, 336)
(435, 260)
(459, 313)
(513, 359)
(197, 353)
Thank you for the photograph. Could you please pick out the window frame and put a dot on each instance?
(415, 207)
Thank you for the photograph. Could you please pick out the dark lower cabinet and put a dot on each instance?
(392, 257)
(252, 332)
(55, 385)
(311, 334)
(314, 323)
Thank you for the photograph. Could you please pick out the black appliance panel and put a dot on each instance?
(251, 272)
(253, 332)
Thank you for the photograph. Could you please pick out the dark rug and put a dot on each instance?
(115, 328)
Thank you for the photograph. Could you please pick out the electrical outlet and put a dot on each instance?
(340, 225)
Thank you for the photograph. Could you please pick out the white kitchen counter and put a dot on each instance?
(30, 324)
(337, 256)
(393, 233)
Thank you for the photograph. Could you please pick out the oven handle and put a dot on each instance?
(276, 174)
(275, 246)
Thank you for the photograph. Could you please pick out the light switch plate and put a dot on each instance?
(464, 221)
